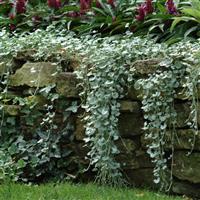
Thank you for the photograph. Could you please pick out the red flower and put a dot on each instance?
(85, 5)
(141, 12)
(144, 9)
(56, 4)
(98, 5)
(171, 8)
(73, 14)
(111, 2)
(12, 27)
(20, 6)
(149, 6)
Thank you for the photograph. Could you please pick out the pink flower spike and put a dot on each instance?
(141, 10)
(56, 4)
(149, 6)
(171, 8)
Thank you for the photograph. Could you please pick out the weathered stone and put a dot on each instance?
(130, 106)
(12, 110)
(39, 74)
(145, 67)
(130, 124)
(127, 146)
(134, 160)
(140, 177)
(187, 167)
(79, 129)
(183, 111)
(67, 85)
(29, 91)
(186, 189)
(133, 94)
(75, 62)
(143, 159)
(128, 161)
(181, 95)
(26, 55)
(184, 139)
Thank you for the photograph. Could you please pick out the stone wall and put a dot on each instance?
(135, 161)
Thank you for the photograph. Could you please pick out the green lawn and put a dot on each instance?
(68, 191)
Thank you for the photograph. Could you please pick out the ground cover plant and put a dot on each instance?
(66, 191)
(107, 62)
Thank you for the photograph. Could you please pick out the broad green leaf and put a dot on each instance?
(190, 31)
(192, 12)
(175, 22)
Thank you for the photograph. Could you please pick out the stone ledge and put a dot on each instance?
(186, 167)
(141, 177)
(66, 85)
(186, 188)
(182, 140)
(38, 74)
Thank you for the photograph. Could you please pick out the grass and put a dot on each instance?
(67, 191)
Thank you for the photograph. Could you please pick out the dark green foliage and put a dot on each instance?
(33, 142)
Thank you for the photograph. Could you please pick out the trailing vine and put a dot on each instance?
(158, 105)
(103, 85)
(191, 87)
(24, 155)
(159, 93)
(106, 69)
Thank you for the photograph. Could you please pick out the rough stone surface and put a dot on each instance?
(38, 100)
(145, 67)
(130, 121)
(187, 167)
(141, 177)
(186, 188)
(26, 55)
(79, 129)
(183, 111)
(67, 85)
(130, 106)
(34, 75)
(185, 139)
(133, 94)
(127, 146)
(143, 159)
(130, 124)
(134, 160)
